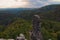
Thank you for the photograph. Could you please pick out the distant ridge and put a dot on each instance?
(49, 8)
(42, 9)
(13, 10)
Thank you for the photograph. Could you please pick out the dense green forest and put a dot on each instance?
(11, 25)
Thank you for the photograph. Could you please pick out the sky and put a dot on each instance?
(26, 3)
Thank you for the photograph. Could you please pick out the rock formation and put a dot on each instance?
(36, 32)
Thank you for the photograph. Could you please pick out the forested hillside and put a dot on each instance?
(51, 12)
(11, 25)
(15, 28)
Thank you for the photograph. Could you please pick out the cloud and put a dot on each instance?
(37, 3)
(22, 3)
(53, 1)
(13, 3)
(56, 0)
(26, 3)
(40, 3)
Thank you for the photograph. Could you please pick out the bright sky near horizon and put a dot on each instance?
(26, 3)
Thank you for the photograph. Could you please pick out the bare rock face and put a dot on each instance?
(21, 37)
(36, 33)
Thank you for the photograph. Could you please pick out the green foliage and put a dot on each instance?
(1, 28)
(50, 29)
(17, 27)
(11, 25)
(58, 35)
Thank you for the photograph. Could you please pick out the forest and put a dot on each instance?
(11, 25)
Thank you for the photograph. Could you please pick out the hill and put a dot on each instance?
(15, 28)
(13, 10)
(12, 24)
(51, 12)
